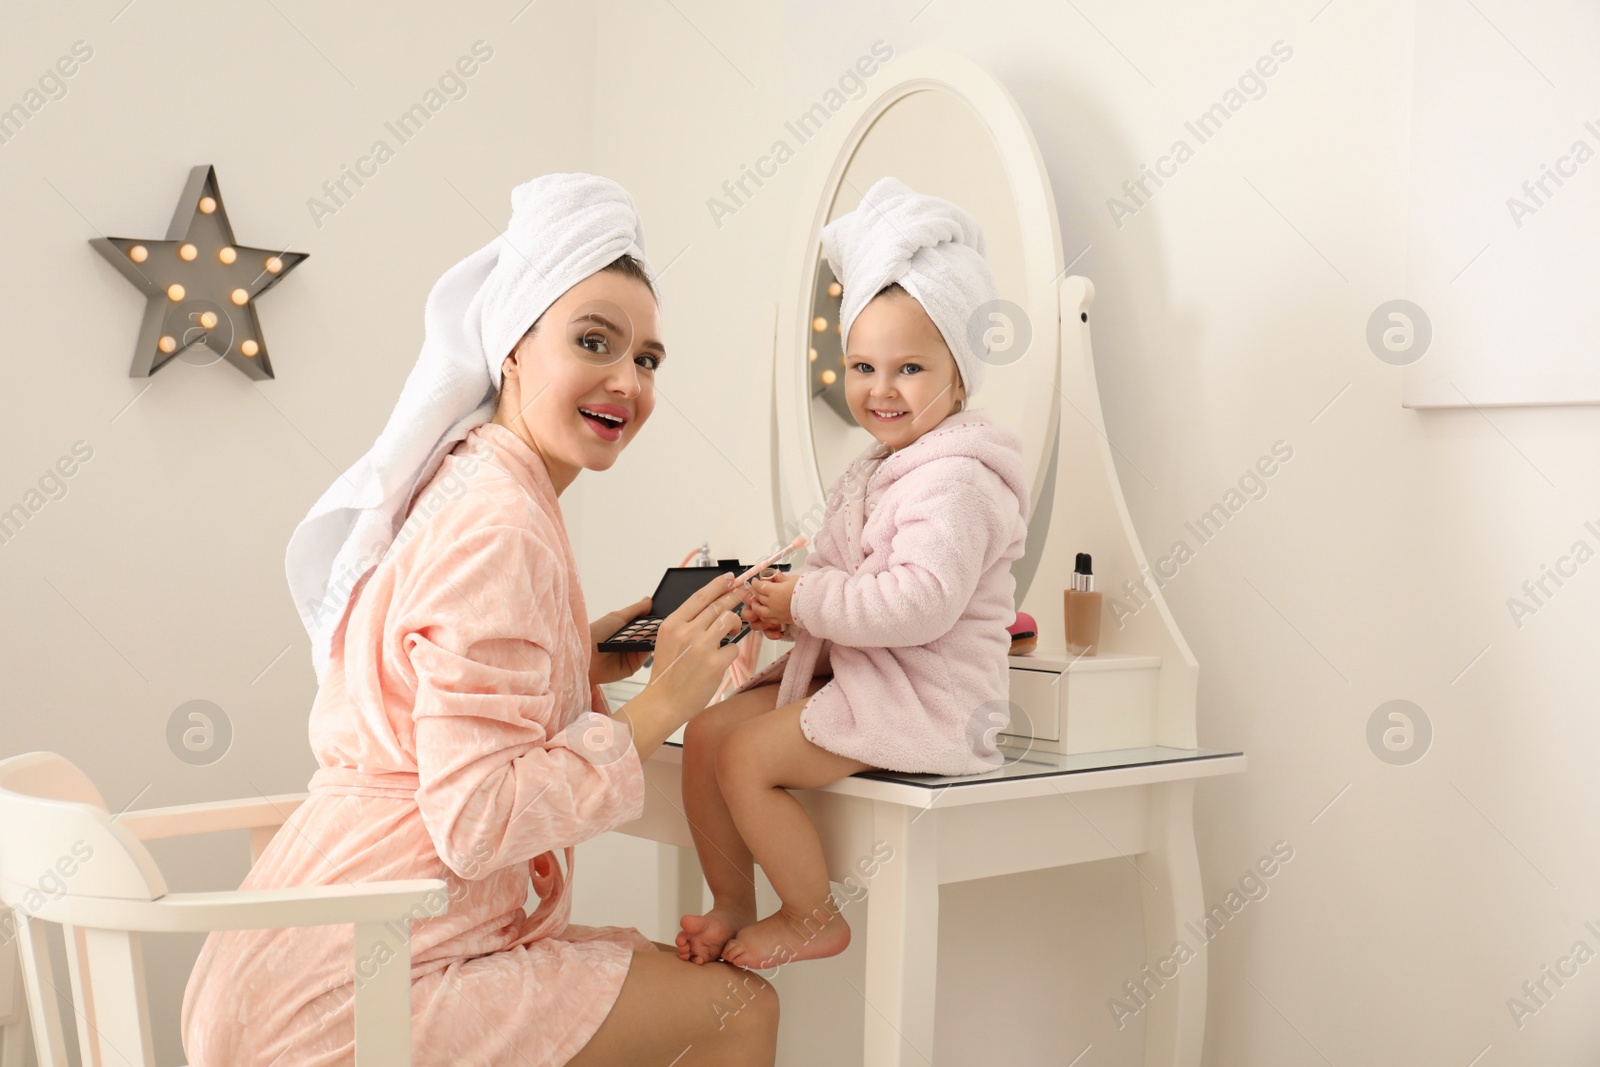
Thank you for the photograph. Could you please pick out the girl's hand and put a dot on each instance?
(759, 623)
(772, 599)
(615, 666)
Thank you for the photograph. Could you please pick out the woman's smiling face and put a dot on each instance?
(579, 386)
(900, 378)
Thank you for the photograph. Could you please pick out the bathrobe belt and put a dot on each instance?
(351, 781)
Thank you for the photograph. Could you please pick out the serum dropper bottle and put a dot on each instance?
(1083, 610)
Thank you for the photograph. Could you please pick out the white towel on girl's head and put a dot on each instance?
(564, 227)
(933, 248)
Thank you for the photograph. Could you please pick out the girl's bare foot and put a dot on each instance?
(703, 936)
(782, 938)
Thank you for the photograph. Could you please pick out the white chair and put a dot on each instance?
(65, 860)
(13, 1006)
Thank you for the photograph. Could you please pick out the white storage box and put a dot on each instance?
(1089, 704)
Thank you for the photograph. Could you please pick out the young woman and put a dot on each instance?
(459, 726)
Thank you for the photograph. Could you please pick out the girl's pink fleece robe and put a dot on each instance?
(908, 589)
(442, 731)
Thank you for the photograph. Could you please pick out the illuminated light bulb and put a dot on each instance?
(813, 355)
(227, 255)
(844, 361)
(138, 253)
(834, 289)
(174, 292)
(819, 324)
(167, 344)
(208, 319)
(187, 252)
(274, 264)
(828, 377)
(249, 348)
(839, 329)
(239, 296)
(207, 205)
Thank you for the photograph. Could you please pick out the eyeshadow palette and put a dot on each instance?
(677, 586)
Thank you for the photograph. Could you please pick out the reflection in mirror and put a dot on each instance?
(827, 349)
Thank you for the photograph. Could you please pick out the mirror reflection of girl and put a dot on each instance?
(899, 613)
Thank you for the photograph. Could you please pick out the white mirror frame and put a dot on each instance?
(1076, 494)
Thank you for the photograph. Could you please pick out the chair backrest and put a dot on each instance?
(58, 841)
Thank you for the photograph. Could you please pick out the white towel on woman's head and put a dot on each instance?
(933, 248)
(564, 227)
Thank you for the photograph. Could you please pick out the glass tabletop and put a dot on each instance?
(1020, 764)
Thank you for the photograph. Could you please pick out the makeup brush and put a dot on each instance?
(793, 546)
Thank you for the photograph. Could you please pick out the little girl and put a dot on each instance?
(898, 614)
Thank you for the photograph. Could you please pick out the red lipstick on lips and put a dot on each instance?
(606, 429)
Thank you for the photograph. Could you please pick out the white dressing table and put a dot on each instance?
(1045, 810)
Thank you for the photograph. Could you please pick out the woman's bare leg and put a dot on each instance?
(728, 865)
(669, 1012)
(757, 764)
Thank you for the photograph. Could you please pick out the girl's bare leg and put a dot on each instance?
(728, 865)
(669, 1012)
(760, 760)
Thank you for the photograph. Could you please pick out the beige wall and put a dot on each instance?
(1230, 312)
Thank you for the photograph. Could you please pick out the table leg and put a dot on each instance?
(682, 888)
(1176, 1017)
(902, 938)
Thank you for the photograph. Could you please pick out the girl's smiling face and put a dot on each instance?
(900, 378)
(581, 382)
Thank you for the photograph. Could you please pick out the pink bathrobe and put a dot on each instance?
(908, 591)
(442, 734)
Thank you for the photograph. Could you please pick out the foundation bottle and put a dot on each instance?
(1083, 610)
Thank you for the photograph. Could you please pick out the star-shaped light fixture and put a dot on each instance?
(202, 286)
